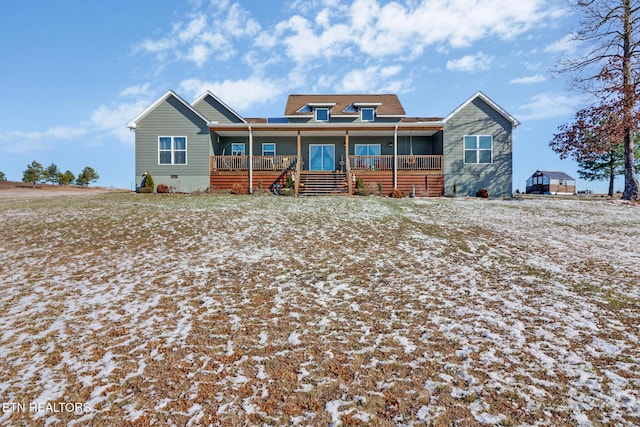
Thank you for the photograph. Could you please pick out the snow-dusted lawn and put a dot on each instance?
(198, 310)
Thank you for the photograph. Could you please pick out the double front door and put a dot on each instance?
(322, 157)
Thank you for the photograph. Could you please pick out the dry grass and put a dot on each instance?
(199, 310)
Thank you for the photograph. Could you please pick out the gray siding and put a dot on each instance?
(478, 118)
(285, 145)
(172, 118)
(215, 112)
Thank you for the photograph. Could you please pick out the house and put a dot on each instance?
(550, 182)
(326, 144)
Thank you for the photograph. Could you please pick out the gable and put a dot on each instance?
(172, 97)
(215, 110)
(483, 102)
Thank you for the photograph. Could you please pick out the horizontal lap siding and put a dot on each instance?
(478, 118)
(215, 112)
(172, 118)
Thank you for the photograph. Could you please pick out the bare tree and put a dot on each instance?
(610, 67)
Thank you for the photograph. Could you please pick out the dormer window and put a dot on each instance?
(367, 114)
(322, 114)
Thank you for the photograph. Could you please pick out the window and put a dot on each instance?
(367, 114)
(322, 114)
(268, 148)
(366, 150)
(172, 150)
(478, 149)
(237, 149)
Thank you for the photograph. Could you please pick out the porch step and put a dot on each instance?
(323, 183)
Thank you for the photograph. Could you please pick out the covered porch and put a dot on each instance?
(263, 155)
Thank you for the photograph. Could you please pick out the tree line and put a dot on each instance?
(36, 173)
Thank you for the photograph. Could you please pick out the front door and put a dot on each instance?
(322, 157)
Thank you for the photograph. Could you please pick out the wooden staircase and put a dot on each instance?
(323, 183)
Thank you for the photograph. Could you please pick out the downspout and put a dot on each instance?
(395, 158)
(250, 160)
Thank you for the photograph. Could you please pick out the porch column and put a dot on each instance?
(347, 165)
(250, 160)
(296, 183)
(395, 158)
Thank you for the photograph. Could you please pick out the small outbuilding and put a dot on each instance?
(551, 182)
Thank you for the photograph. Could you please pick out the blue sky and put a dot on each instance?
(76, 72)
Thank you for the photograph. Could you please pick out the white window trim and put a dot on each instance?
(355, 147)
(173, 150)
(477, 150)
(315, 113)
(244, 148)
(269, 143)
(373, 112)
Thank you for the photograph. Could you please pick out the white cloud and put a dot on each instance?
(205, 34)
(303, 45)
(373, 79)
(538, 78)
(133, 91)
(112, 119)
(104, 120)
(390, 70)
(238, 94)
(193, 29)
(548, 105)
(199, 54)
(25, 142)
(470, 63)
(565, 46)
(157, 46)
(238, 22)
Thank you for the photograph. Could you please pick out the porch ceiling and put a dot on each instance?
(332, 129)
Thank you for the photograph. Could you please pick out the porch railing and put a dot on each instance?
(283, 162)
(260, 163)
(405, 162)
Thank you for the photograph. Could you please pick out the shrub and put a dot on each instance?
(287, 192)
(162, 188)
(361, 192)
(290, 183)
(380, 189)
(148, 183)
(397, 194)
(483, 193)
(359, 184)
(238, 188)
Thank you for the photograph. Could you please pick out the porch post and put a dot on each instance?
(296, 183)
(347, 164)
(250, 160)
(395, 158)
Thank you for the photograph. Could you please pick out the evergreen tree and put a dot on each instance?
(33, 173)
(3, 177)
(67, 178)
(52, 174)
(87, 176)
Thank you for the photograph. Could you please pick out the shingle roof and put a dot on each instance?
(389, 104)
(555, 175)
